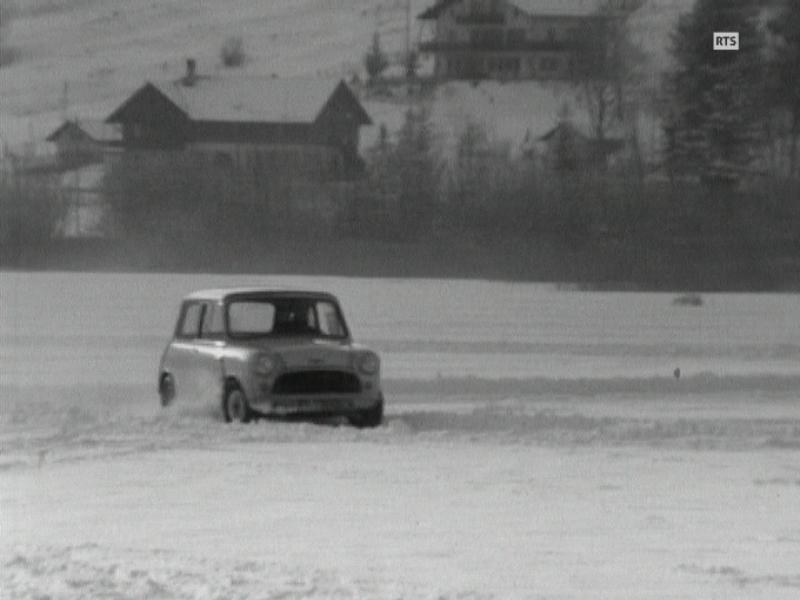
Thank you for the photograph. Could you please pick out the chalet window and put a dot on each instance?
(263, 165)
(223, 160)
(254, 165)
(515, 37)
(548, 64)
(483, 37)
(512, 66)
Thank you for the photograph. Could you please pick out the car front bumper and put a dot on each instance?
(316, 405)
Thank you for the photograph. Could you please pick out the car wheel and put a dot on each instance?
(372, 417)
(236, 407)
(166, 389)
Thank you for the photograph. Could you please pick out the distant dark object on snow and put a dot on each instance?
(688, 300)
(677, 372)
(232, 52)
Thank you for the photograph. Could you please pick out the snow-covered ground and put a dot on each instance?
(537, 445)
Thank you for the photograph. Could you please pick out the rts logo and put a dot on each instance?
(726, 40)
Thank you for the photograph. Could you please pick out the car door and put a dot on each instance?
(209, 348)
(183, 350)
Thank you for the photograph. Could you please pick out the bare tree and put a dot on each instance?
(232, 52)
(607, 66)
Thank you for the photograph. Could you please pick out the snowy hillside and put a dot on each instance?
(102, 50)
(82, 57)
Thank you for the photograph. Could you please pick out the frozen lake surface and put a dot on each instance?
(537, 445)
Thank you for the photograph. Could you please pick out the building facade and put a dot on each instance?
(510, 39)
(255, 130)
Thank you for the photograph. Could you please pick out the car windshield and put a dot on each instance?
(261, 317)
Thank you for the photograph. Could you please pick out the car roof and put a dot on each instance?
(220, 294)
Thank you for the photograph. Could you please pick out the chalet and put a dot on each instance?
(256, 127)
(510, 39)
(80, 142)
(568, 148)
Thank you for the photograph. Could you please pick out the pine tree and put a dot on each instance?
(417, 164)
(785, 71)
(714, 129)
(7, 14)
(403, 177)
(375, 61)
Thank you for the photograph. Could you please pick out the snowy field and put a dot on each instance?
(537, 445)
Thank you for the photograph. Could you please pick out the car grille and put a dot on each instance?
(317, 382)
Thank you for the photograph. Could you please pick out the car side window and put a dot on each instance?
(329, 322)
(213, 326)
(190, 324)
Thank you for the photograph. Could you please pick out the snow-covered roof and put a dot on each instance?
(219, 294)
(251, 99)
(568, 130)
(568, 8)
(99, 131)
(548, 8)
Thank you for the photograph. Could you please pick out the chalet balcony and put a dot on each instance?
(481, 18)
(497, 46)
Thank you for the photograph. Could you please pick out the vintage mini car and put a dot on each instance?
(252, 352)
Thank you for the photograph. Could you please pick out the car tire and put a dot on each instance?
(235, 406)
(166, 389)
(369, 418)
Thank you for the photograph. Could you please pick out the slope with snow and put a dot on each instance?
(81, 59)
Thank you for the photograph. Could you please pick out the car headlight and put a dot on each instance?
(369, 363)
(265, 364)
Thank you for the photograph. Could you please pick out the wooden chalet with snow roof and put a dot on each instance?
(510, 39)
(568, 147)
(255, 127)
(80, 142)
